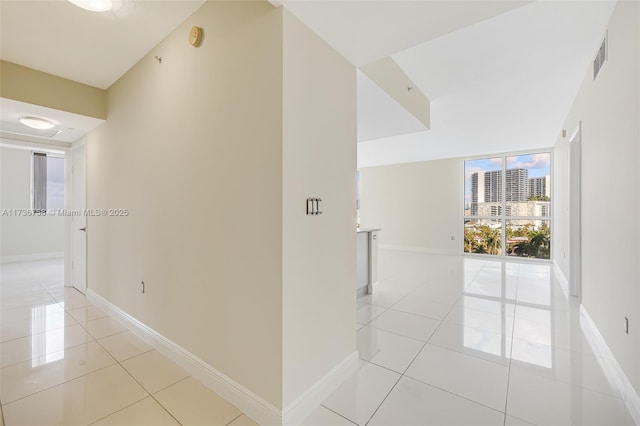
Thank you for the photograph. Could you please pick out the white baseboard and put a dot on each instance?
(562, 279)
(304, 405)
(33, 257)
(248, 402)
(417, 249)
(615, 374)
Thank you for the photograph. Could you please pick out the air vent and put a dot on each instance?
(601, 57)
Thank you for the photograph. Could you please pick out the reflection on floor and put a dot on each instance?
(455, 340)
(444, 340)
(65, 362)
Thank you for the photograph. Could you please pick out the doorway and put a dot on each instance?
(78, 219)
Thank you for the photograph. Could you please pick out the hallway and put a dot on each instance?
(66, 362)
(443, 340)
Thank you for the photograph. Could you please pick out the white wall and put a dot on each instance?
(417, 205)
(24, 235)
(319, 252)
(609, 109)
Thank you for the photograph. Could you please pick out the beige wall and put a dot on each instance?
(193, 147)
(215, 151)
(609, 109)
(417, 205)
(319, 152)
(35, 87)
(24, 235)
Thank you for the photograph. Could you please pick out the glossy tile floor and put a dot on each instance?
(65, 362)
(444, 340)
(448, 340)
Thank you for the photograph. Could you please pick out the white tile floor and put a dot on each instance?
(66, 362)
(444, 340)
(473, 341)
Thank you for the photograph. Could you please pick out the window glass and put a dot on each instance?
(507, 206)
(55, 182)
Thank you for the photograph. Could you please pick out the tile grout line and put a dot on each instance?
(235, 418)
(410, 363)
(116, 362)
(454, 394)
(513, 329)
(60, 302)
(46, 331)
(420, 351)
(338, 414)
(149, 394)
(383, 400)
(120, 409)
(58, 384)
(47, 354)
(393, 332)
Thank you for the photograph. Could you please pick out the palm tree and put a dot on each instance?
(469, 240)
(491, 239)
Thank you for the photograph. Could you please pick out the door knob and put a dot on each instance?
(84, 229)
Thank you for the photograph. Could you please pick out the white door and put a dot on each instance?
(79, 222)
(575, 216)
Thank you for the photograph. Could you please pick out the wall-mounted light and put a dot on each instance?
(94, 5)
(37, 123)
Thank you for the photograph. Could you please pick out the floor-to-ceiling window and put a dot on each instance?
(507, 208)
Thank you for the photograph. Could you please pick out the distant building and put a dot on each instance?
(540, 186)
(517, 208)
(486, 187)
(517, 185)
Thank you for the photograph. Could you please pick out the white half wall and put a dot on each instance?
(24, 237)
(319, 251)
(608, 108)
(417, 205)
(214, 152)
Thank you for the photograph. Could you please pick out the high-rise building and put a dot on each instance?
(517, 188)
(486, 187)
(493, 186)
(540, 186)
(477, 187)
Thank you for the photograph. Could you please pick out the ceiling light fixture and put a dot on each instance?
(37, 123)
(94, 5)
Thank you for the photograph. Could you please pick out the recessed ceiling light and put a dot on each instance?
(94, 5)
(36, 123)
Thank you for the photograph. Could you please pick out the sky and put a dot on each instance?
(538, 165)
(55, 183)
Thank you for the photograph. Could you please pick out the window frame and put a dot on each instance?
(32, 175)
(502, 217)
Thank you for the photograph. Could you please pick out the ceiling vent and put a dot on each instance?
(601, 56)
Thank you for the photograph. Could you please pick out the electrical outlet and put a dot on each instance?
(626, 325)
(453, 238)
(142, 287)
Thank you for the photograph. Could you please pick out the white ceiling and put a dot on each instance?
(368, 30)
(59, 38)
(380, 115)
(505, 84)
(501, 75)
(71, 126)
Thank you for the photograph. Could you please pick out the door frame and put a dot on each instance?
(575, 213)
(70, 228)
